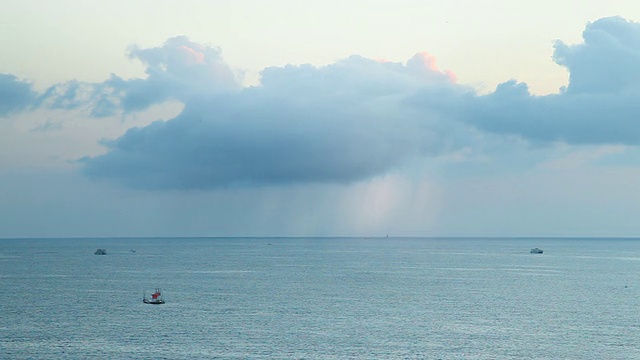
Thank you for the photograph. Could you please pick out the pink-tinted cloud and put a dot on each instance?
(424, 64)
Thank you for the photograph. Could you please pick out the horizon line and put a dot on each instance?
(497, 237)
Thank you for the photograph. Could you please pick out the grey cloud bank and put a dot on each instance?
(600, 105)
(15, 94)
(340, 123)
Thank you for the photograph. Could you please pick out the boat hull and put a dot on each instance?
(153, 302)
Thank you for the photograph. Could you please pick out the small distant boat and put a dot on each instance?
(101, 252)
(156, 298)
(536, 251)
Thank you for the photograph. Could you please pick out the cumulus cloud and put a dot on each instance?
(344, 122)
(607, 61)
(358, 118)
(178, 70)
(339, 123)
(15, 94)
(600, 105)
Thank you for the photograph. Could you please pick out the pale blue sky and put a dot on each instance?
(266, 118)
(484, 42)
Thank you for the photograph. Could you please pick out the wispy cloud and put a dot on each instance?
(47, 126)
(178, 70)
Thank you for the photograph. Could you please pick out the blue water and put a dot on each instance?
(330, 298)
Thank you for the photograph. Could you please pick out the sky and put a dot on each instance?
(299, 118)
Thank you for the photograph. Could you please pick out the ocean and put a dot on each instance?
(320, 298)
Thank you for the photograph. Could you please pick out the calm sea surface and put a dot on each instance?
(329, 298)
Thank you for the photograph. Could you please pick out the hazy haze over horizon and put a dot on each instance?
(409, 118)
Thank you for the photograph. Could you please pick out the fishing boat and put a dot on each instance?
(536, 251)
(156, 298)
(101, 252)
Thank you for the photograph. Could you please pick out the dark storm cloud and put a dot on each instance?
(15, 95)
(601, 104)
(343, 122)
(338, 123)
(358, 117)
